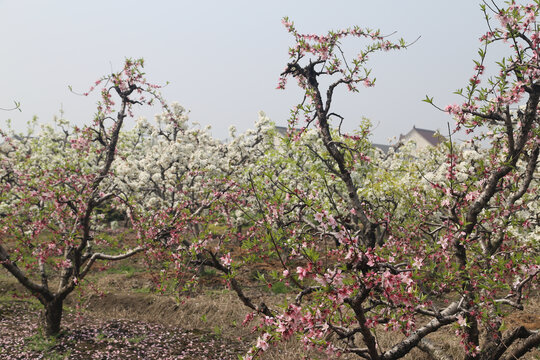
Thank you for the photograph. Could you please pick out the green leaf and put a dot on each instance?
(428, 99)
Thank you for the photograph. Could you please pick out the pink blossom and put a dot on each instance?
(332, 221)
(261, 342)
(418, 262)
(285, 273)
(302, 273)
(226, 259)
(461, 320)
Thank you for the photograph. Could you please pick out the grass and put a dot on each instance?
(136, 339)
(208, 272)
(143, 290)
(280, 288)
(217, 330)
(123, 268)
(102, 337)
(38, 343)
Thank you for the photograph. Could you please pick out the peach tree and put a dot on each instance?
(54, 185)
(411, 243)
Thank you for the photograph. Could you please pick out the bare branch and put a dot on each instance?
(406, 345)
(305, 292)
(101, 256)
(532, 340)
(19, 275)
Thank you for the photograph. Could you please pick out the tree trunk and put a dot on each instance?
(52, 317)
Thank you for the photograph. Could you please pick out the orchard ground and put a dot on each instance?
(119, 315)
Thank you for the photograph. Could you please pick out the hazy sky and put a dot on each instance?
(223, 58)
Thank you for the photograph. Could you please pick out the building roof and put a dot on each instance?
(282, 130)
(432, 137)
(382, 147)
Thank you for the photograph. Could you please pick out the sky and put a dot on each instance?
(222, 59)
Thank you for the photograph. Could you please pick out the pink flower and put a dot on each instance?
(302, 273)
(261, 342)
(65, 264)
(226, 259)
(417, 262)
(332, 221)
(461, 321)
(285, 273)
(248, 318)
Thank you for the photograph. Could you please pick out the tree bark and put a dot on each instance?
(433, 350)
(52, 317)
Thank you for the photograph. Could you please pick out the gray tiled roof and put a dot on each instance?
(433, 137)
